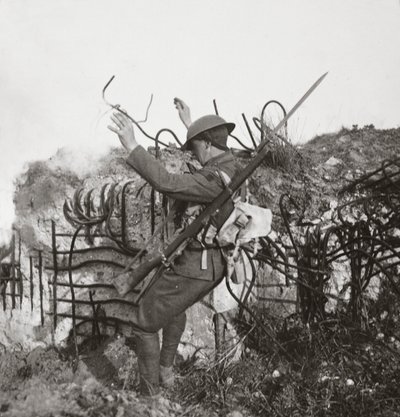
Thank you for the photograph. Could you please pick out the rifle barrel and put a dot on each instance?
(193, 228)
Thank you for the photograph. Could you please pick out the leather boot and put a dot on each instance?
(172, 334)
(148, 353)
(167, 376)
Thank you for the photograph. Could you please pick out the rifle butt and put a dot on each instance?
(127, 281)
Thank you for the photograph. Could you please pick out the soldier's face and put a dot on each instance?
(201, 150)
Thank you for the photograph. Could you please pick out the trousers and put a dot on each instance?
(163, 307)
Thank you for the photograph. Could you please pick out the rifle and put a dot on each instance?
(127, 282)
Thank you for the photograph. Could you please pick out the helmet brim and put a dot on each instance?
(229, 126)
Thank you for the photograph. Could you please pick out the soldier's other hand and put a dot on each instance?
(183, 111)
(123, 127)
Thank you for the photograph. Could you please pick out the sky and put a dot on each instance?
(56, 57)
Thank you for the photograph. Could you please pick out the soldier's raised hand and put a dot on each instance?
(123, 127)
(183, 111)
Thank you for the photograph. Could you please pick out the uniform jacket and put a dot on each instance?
(201, 187)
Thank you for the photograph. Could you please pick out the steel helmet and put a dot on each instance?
(204, 124)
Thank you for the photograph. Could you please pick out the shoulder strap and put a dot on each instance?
(242, 192)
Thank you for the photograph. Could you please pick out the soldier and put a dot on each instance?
(201, 265)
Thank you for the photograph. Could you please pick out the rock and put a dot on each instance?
(234, 413)
(355, 156)
(349, 176)
(344, 139)
(120, 411)
(332, 161)
(276, 374)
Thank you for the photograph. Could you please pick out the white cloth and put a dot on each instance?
(246, 222)
(258, 225)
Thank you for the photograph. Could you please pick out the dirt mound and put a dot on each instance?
(314, 173)
(338, 370)
(44, 383)
(358, 148)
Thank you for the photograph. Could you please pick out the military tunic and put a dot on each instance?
(185, 282)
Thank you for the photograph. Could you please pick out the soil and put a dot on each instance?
(330, 369)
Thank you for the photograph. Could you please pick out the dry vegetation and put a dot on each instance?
(330, 367)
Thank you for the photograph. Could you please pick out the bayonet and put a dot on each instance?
(138, 274)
